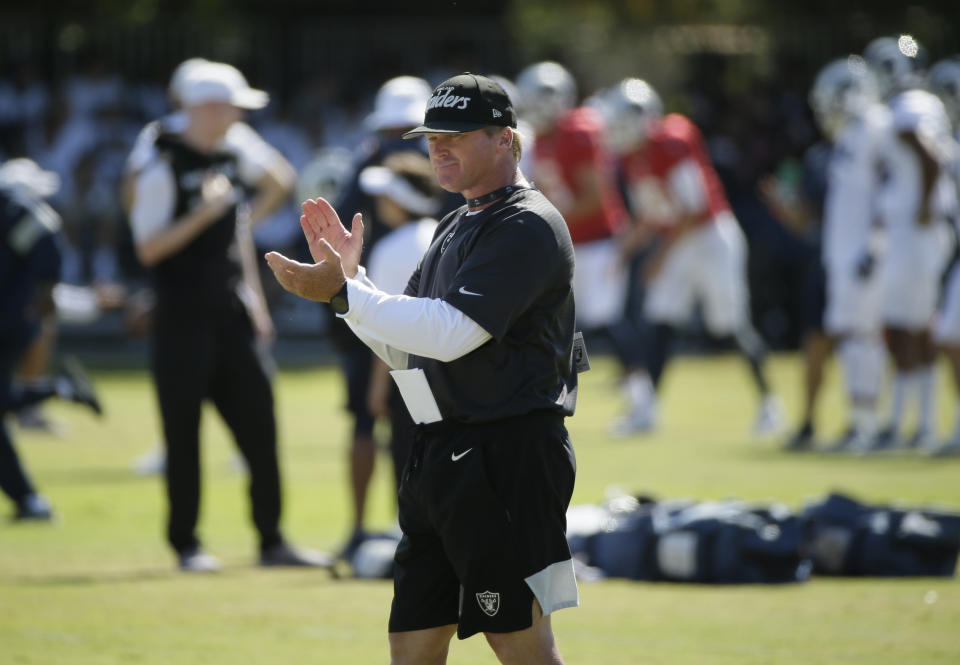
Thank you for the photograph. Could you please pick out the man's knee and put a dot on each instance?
(532, 646)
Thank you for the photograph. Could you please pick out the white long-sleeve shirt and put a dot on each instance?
(394, 326)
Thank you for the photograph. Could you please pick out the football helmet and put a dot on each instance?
(629, 108)
(545, 91)
(944, 81)
(326, 175)
(842, 90)
(896, 62)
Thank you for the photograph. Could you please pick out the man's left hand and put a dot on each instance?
(319, 282)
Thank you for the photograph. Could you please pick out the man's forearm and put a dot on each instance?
(426, 327)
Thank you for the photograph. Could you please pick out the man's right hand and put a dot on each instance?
(320, 221)
(218, 195)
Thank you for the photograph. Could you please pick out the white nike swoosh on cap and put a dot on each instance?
(454, 456)
(464, 291)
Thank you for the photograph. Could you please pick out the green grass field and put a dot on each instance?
(99, 586)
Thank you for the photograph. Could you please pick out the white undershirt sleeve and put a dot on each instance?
(395, 326)
(154, 201)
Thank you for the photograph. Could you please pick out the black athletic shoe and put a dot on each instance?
(352, 545)
(80, 388)
(845, 443)
(283, 554)
(887, 439)
(801, 440)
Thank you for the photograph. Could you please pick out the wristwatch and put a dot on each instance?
(339, 303)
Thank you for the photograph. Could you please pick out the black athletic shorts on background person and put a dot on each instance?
(483, 511)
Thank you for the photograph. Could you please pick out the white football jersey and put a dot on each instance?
(854, 179)
(923, 114)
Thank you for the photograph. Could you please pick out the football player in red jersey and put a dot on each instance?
(575, 170)
(676, 196)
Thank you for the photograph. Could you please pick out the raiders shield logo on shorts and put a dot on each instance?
(489, 602)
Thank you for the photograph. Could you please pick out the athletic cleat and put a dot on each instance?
(33, 418)
(844, 443)
(801, 440)
(79, 386)
(34, 508)
(949, 449)
(640, 420)
(922, 439)
(198, 561)
(884, 441)
(283, 554)
(151, 463)
(770, 419)
(353, 544)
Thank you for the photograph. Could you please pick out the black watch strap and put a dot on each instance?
(339, 303)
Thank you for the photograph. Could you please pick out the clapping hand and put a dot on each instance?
(335, 250)
(320, 222)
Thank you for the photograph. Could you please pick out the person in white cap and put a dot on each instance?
(189, 227)
(271, 177)
(398, 107)
(406, 198)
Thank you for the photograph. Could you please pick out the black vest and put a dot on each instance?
(206, 272)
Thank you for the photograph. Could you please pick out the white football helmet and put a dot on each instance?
(545, 91)
(326, 175)
(629, 108)
(843, 89)
(944, 81)
(895, 61)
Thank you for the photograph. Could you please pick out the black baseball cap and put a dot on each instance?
(464, 103)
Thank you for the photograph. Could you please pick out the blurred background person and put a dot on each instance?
(918, 194)
(574, 169)
(267, 180)
(846, 105)
(398, 107)
(799, 206)
(676, 197)
(944, 81)
(406, 197)
(30, 263)
(190, 226)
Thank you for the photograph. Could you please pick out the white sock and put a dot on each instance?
(902, 387)
(864, 360)
(926, 386)
(864, 419)
(638, 390)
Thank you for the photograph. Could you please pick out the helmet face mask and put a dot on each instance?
(629, 109)
(895, 61)
(842, 90)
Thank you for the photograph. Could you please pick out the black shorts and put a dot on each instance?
(483, 512)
